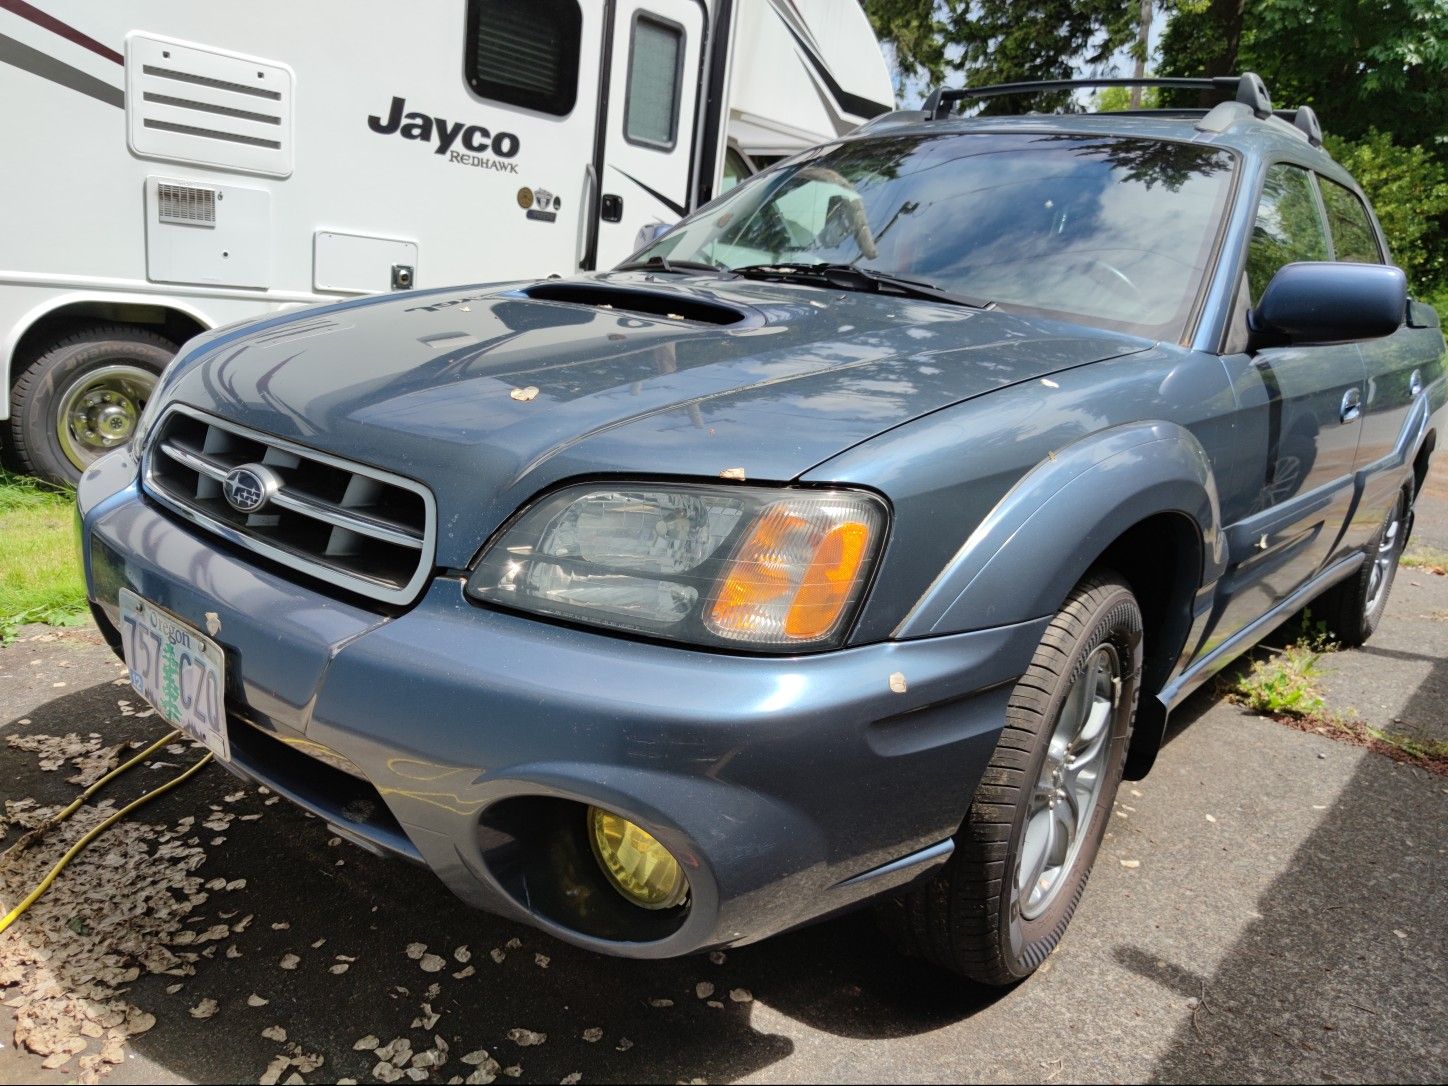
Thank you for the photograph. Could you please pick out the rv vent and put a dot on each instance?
(192, 103)
(186, 205)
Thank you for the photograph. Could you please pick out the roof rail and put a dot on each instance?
(1248, 88)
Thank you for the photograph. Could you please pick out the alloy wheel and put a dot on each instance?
(1072, 777)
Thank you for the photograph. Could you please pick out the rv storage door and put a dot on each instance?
(652, 106)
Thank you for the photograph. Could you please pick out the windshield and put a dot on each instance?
(1106, 231)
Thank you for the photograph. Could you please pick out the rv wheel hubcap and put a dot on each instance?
(100, 410)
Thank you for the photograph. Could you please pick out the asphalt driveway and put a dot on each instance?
(1269, 906)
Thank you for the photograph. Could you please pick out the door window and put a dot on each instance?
(525, 52)
(655, 72)
(1289, 226)
(1353, 237)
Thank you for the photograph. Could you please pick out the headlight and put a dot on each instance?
(746, 567)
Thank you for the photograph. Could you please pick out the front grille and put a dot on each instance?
(353, 526)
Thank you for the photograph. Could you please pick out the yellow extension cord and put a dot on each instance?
(75, 849)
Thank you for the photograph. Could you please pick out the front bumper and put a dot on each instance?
(789, 788)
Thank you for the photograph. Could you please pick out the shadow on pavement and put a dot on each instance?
(1341, 973)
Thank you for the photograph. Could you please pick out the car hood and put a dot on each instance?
(489, 395)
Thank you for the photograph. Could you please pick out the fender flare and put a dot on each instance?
(58, 302)
(1041, 538)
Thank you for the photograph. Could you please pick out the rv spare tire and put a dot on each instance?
(81, 396)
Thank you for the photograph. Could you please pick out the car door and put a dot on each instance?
(649, 128)
(1396, 365)
(1299, 422)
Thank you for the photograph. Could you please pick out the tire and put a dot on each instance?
(1353, 609)
(102, 373)
(972, 917)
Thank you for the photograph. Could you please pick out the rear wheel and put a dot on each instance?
(1002, 902)
(81, 397)
(1353, 609)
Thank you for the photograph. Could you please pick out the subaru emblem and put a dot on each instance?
(249, 487)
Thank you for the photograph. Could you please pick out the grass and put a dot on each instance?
(1426, 558)
(1283, 686)
(40, 576)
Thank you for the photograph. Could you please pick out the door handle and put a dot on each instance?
(1352, 404)
(1415, 383)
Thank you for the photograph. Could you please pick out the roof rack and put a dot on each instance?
(1304, 119)
(1247, 88)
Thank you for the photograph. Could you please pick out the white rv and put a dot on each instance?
(168, 166)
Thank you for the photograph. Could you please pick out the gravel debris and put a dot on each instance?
(526, 1038)
(290, 961)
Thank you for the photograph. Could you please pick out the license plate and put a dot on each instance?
(179, 670)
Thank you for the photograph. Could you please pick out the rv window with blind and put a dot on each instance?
(655, 77)
(525, 52)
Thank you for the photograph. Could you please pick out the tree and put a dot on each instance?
(1203, 38)
(1003, 41)
(1409, 191)
(916, 31)
(1377, 75)
(1360, 65)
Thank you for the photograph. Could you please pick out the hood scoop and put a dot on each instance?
(669, 305)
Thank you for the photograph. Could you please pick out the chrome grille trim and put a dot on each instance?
(370, 532)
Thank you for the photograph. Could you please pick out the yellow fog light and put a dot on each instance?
(640, 868)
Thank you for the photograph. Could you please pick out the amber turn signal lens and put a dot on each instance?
(827, 583)
(797, 572)
(640, 868)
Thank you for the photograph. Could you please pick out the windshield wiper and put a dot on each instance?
(663, 263)
(850, 277)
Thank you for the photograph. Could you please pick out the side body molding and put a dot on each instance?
(1039, 540)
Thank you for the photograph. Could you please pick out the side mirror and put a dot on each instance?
(649, 233)
(1331, 303)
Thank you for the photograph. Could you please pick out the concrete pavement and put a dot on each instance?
(1268, 907)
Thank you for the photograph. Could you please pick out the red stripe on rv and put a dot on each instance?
(65, 30)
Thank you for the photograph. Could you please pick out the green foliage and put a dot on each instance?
(1361, 65)
(1408, 188)
(1377, 75)
(1006, 41)
(1116, 99)
(1382, 64)
(916, 31)
(1202, 37)
(1003, 41)
(1284, 684)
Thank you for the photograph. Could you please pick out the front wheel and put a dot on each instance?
(82, 397)
(1002, 902)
